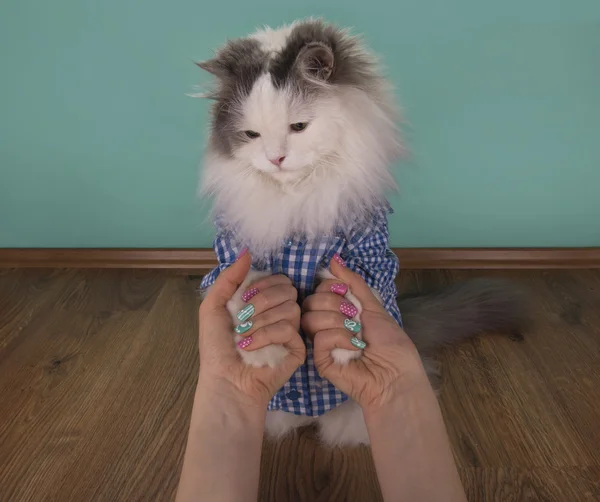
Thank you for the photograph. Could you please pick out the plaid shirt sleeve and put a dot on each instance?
(368, 254)
(226, 251)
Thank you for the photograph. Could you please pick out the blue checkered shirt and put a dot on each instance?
(365, 251)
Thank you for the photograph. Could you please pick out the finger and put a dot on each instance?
(329, 339)
(264, 283)
(282, 333)
(279, 333)
(357, 285)
(329, 301)
(267, 299)
(288, 311)
(314, 322)
(227, 283)
(333, 286)
(269, 281)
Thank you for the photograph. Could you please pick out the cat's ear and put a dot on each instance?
(219, 70)
(214, 67)
(315, 61)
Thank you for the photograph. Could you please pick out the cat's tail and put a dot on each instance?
(462, 311)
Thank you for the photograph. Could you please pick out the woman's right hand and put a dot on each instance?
(389, 383)
(389, 365)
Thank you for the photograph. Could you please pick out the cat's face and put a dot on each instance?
(283, 132)
(277, 110)
(303, 134)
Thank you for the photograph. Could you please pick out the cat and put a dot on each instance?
(303, 136)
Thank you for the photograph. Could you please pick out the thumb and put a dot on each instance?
(228, 282)
(357, 285)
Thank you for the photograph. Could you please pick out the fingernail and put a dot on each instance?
(339, 289)
(338, 260)
(242, 328)
(359, 344)
(242, 344)
(246, 313)
(348, 309)
(249, 294)
(242, 253)
(352, 326)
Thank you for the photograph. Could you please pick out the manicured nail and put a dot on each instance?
(359, 344)
(348, 309)
(246, 313)
(242, 253)
(249, 294)
(338, 260)
(242, 328)
(242, 344)
(339, 289)
(352, 326)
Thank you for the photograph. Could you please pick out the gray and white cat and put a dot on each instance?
(303, 136)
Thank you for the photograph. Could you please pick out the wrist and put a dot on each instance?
(222, 458)
(411, 383)
(406, 402)
(410, 432)
(222, 396)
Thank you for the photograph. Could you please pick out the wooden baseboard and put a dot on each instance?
(202, 260)
(194, 259)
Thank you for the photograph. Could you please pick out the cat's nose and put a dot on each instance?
(277, 161)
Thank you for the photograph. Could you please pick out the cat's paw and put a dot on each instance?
(271, 355)
(344, 356)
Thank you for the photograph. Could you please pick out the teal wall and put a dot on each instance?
(99, 146)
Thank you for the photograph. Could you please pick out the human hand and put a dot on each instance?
(390, 363)
(275, 321)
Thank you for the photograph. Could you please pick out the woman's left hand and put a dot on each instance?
(221, 367)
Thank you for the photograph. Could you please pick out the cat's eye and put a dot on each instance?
(252, 134)
(299, 126)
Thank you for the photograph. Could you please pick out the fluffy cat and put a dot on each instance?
(298, 165)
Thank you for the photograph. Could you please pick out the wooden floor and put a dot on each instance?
(97, 373)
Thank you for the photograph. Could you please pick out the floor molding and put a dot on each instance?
(202, 260)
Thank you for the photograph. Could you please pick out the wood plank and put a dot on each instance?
(572, 484)
(531, 485)
(159, 366)
(24, 295)
(500, 485)
(299, 468)
(78, 392)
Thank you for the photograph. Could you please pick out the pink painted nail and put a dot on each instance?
(249, 294)
(339, 289)
(348, 309)
(338, 260)
(242, 253)
(244, 342)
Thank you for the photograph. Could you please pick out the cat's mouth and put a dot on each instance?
(296, 176)
(285, 176)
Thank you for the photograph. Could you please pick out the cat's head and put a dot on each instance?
(292, 99)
